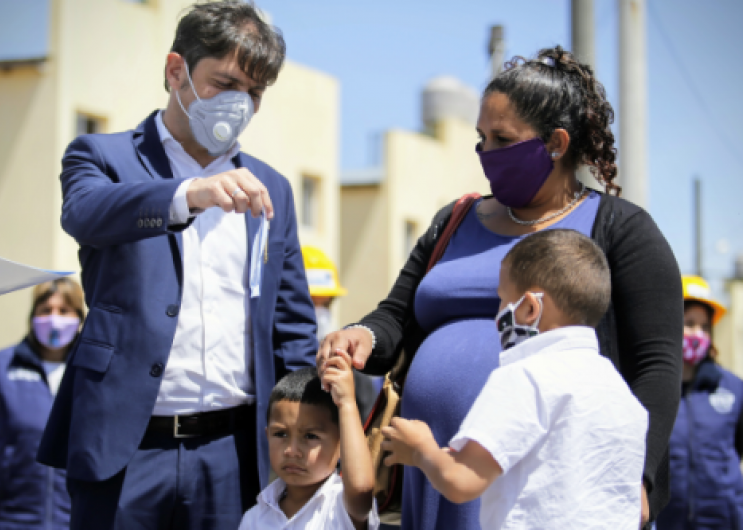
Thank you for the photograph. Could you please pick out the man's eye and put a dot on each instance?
(311, 436)
(279, 434)
(502, 140)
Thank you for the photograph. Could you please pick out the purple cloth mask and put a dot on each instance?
(517, 172)
(55, 331)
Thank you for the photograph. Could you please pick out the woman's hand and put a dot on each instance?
(356, 341)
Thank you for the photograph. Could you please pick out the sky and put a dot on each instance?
(384, 52)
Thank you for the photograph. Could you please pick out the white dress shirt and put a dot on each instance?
(326, 510)
(568, 433)
(211, 362)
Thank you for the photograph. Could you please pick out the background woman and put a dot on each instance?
(33, 495)
(539, 121)
(707, 440)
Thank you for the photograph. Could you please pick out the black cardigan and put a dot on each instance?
(641, 332)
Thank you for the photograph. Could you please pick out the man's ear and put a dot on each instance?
(175, 71)
(558, 144)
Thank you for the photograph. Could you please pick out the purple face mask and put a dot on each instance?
(516, 172)
(55, 331)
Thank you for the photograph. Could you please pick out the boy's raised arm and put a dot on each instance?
(459, 476)
(356, 465)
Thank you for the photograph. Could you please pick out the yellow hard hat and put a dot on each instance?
(696, 289)
(322, 275)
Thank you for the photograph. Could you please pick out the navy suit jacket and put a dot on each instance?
(117, 190)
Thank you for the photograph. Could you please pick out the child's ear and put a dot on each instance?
(533, 308)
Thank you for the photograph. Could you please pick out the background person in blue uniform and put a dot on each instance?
(33, 496)
(193, 315)
(707, 438)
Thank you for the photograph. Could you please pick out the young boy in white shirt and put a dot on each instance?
(555, 440)
(308, 430)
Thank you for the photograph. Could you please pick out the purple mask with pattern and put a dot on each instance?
(517, 172)
(55, 331)
(696, 347)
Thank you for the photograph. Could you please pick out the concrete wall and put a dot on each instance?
(728, 334)
(422, 173)
(107, 60)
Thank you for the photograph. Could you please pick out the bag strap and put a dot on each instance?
(400, 371)
(461, 208)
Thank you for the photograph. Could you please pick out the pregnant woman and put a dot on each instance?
(540, 120)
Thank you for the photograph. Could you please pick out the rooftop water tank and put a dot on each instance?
(447, 97)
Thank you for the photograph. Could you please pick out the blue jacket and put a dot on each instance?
(706, 481)
(117, 190)
(31, 495)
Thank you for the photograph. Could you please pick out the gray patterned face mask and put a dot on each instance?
(217, 122)
(512, 333)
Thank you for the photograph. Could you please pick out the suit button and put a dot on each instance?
(140, 223)
(156, 370)
(159, 222)
(172, 310)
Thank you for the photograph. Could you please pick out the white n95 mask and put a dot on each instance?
(217, 122)
(511, 333)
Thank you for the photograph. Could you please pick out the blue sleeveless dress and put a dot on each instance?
(456, 304)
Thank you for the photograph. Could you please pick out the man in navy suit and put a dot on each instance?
(197, 307)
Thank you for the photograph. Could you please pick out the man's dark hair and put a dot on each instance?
(218, 29)
(569, 267)
(302, 386)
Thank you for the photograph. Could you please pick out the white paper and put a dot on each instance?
(14, 276)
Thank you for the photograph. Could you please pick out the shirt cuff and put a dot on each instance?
(179, 213)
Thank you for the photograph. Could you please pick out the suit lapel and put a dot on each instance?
(150, 150)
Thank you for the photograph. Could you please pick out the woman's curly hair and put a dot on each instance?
(555, 91)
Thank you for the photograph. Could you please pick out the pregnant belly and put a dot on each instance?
(448, 372)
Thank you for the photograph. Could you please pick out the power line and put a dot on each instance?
(690, 84)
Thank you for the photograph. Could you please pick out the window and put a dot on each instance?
(310, 202)
(411, 233)
(87, 124)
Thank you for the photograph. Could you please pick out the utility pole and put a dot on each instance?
(698, 254)
(633, 130)
(496, 50)
(584, 49)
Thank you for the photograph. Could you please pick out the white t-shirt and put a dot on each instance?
(568, 433)
(324, 511)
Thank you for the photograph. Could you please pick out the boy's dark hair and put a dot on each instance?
(302, 386)
(231, 26)
(569, 266)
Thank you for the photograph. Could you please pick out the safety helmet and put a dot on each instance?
(697, 290)
(322, 275)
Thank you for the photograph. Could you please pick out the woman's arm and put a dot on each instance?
(389, 320)
(648, 307)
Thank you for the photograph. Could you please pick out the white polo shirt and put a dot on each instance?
(326, 510)
(568, 433)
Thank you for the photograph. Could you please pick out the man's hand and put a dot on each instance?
(645, 514)
(338, 376)
(403, 438)
(357, 342)
(235, 190)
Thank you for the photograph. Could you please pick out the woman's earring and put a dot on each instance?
(555, 155)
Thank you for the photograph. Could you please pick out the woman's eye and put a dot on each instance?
(502, 140)
(311, 436)
(279, 434)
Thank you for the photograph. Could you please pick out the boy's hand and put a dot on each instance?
(338, 376)
(403, 438)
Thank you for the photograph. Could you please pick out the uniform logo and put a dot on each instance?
(23, 374)
(722, 400)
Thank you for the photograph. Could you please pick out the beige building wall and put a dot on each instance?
(106, 60)
(421, 174)
(728, 334)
